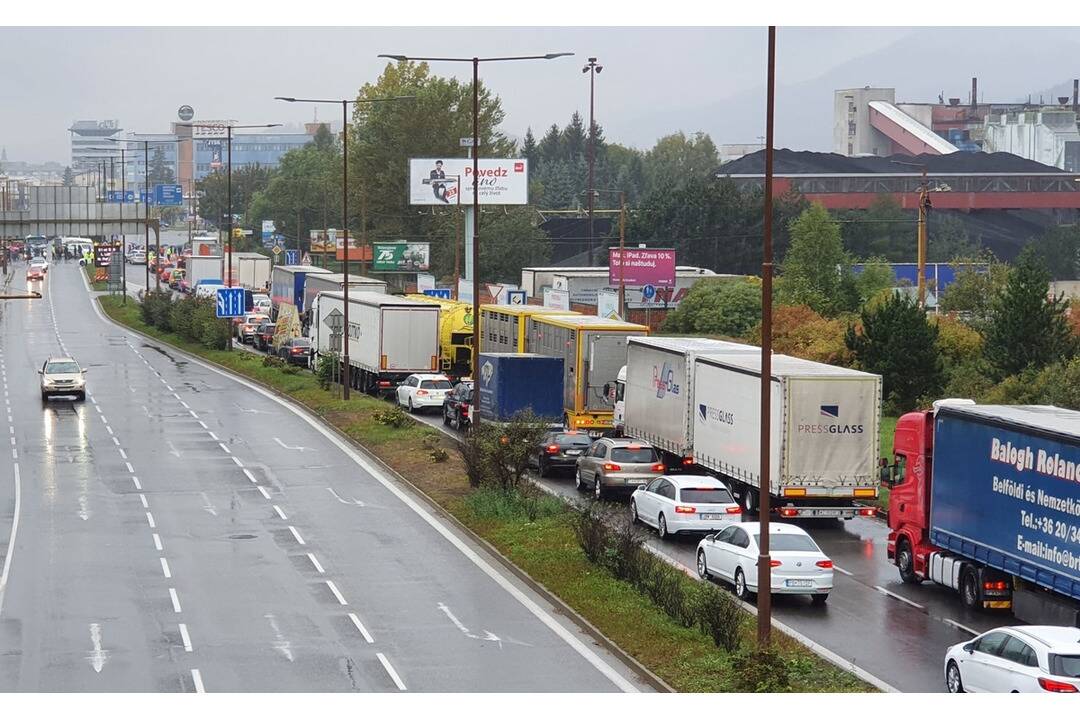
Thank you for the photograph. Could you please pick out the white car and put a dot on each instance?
(41, 263)
(423, 391)
(799, 567)
(261, 303)
(676, 504)
(62, 376)
(1031, 658)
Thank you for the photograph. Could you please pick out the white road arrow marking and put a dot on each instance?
(172, 449)
(98, 657)
(282, 645)
(290, 447)
(343, 501)
(208, 506)
(488, 635)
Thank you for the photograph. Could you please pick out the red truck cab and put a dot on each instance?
(909, 498)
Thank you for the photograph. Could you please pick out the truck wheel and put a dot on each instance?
(905, 561)
(969, 589)
(749, 500)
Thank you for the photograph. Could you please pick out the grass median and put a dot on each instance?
(90, 271)
(538, 537)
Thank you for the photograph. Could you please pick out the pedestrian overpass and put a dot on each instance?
(71, 212)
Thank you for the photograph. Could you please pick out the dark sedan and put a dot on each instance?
(560, 450)
(457, 410)
(296, 351)
(264, 335)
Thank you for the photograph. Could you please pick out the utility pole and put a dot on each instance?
(229, 222)
(622, 254)
(592, 68)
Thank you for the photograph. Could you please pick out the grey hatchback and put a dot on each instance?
(617, 464)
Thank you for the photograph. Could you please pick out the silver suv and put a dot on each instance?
(617, 464)
(62, 376)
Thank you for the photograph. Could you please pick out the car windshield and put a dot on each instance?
(300, 342)
(633, 454)
(56, 368)
(568, 439)
(435, 384)
(790, 542)
(1065, 665)
(705, 495)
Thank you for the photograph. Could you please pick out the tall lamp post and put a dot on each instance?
(592, 68)
(347, 375)
(476, 187)
(622, 243)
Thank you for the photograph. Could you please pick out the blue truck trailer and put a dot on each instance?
(515, 382)
(287, 286)
(986, 500)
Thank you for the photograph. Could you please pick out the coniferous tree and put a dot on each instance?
(69, 177)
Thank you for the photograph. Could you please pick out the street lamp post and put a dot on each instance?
(924, 210)
(347, 374)
(592, 68)
(476, 186)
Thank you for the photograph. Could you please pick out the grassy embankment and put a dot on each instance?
(542, 544)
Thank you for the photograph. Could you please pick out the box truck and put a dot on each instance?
(316, 283)
(250, 270)
(985, 499)
(390, 337)
(455, 335)
(287, 285)
(824, 433)
(593, 350)
(203, 267)
(502, 327)
(510, 383)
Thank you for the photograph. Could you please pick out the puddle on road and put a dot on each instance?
(174, 361)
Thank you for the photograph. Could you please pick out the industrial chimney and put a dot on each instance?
(1076, 92)
(974, 92)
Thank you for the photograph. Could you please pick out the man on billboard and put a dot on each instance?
(439, 188)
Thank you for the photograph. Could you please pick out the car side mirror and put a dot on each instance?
(40, 372)
(607, 389)
(83, 371)
(642, 487)
(711, 537)
(969, 648)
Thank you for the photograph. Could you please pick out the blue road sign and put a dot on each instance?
(442, 293)
(143, 197)
(648, 292)
(230, 302)
(169, 194)
(516, 297)
(292, 257)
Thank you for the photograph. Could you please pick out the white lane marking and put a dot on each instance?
(168, 387)
(135, 480)
(98, 657)
(333, 588)
(104, 419)
(207, 505)
(11, 538)
(192, 414)
(842, 571)
(165, 567)
(116, 441)
(109, 429)
(297, 535)
(129, 468)
(263, 491)
(343, 501)
(157, 542)
(290, 447)
(176, 396)
(390, 671)
(901, 598)
(237, 461)
(282, 645)
(502, 581)
(204, 425)
(175, 600)
(14, 454)
(196, 677)
(361, 628)
(122, 453)
(142, 499)
(280, 512)
(958, 626)
(315, 562)
(250, 476)
(212, 435)
(150, 519)
(186, 406)
(13, 440)
(457, 623)
(224, 447)
(185, 637)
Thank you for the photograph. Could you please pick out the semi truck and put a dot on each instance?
(502, 327)
(389, 337)
(592, 349)
(287, 286)
(985, 499)
(250, 270)
(455, 335)
(510, 383)
(316, 283)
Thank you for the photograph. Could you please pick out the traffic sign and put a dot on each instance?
(443, 293)
(230, 302)
(169, 194)
(648, 292)
(276, 250)
(515, 297)
(292, 257)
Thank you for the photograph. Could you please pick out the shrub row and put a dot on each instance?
(191, 318)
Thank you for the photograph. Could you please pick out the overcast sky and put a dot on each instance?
(655, 81)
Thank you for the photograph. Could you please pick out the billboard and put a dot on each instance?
(642, 266)
(103, 253)
(434, 181)
(401, 257)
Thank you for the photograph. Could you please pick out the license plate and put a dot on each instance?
(711, 516)
(822, 513)
(573, 452)
(799, 583)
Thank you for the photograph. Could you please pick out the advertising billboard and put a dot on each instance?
(435, 181)
(401, 257)
(642, 266)
(103, 253)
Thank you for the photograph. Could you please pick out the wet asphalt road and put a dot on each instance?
(178, 531)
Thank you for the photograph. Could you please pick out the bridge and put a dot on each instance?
(71, 211)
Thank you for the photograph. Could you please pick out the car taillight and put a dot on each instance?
(998, 585)
(421, 392)
(775, 563)
(658, 467)
(384, 383)
(824, 564)
(553, 449)
(868, 512)
(685, 509)
(612, 467)
(1056, 686)
(788, 512)
(297, 351)
(733, 510)
(688, 461)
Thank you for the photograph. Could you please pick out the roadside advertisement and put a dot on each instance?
(324, 241)
(607, 304)
(642, 266)
(424, 282)
(434, 181)
(558, 299)
(401, 257)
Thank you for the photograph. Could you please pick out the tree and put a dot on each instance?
(975, 286)
(816, 270)
(947, 239)
(800, 332)
(884, 229)
(676, 160)
(1060, 246)
(1027, 329)
(529, 149)
(876, 277)
(246, 181)
(160, 172)
(717, 307)
(69, 177)
(897, 342)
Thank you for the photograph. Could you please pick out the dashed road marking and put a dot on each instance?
(109, 429)
(165, 567)
(901, 598)
(185, 637)
(175, 600)
(280, 512)
(224, 447)
(842, 571)
(150, 519)
(142, 499)
(237, 461)
(315, 562)
(337, 593)
(121, 451)
(390, 671)
(296, 535)
(958, 626)
(129, 468)
(263, 491)
(361, 628)
(186, 406)
(250, 476)
(196, 677)
(212, 435)
(204, 425)
(192, 414)
(157, 542)
(116, 441)
(135, 481)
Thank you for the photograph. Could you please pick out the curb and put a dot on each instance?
(598, 637)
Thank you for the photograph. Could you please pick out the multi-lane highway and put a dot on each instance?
(181, 530)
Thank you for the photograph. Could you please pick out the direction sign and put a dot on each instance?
(169, 194)
(230, 302)
(443, 293)
(515, 297)
(292, 257)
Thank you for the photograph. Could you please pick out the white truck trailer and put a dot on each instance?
(335, 282)
(250, 270)
(203, 267)
(824, 432)
(390, 337)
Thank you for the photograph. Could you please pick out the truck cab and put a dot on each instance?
(908, 478)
